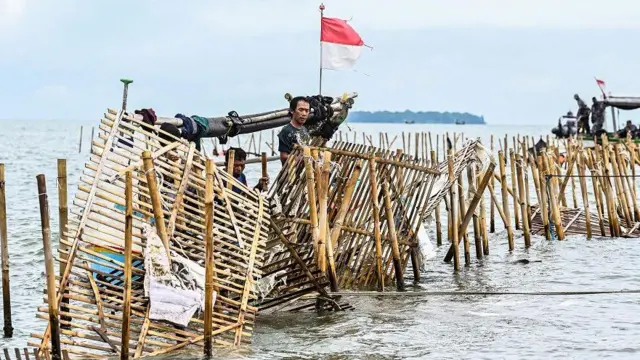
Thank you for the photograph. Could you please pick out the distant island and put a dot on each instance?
(419, 117)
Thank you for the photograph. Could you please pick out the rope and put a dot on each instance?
(484, 293)
(596, 176)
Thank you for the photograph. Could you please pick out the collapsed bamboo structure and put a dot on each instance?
(168, 185)
(354, 222)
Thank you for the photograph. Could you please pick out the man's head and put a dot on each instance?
(629, 123)
(299, 109)
(594, 99)
(239, 160)
(576, 97)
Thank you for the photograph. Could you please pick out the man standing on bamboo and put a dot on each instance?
(294, 132)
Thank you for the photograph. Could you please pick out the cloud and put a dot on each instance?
(249, 16)
(11, 12)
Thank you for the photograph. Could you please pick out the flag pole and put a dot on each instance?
(321, 16)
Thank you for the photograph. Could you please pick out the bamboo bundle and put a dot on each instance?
(167, 191)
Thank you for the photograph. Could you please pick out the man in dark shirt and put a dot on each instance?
(597, 116)
(582, 115)
(293, 133)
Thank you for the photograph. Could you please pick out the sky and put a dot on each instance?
(514, 62)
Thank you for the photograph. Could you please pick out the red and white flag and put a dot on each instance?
(601, 85)
(341, 45)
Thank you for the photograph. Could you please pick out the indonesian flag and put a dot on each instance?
(341, 45)
(601, 85)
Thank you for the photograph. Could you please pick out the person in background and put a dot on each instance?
(597, 116)
(294, 132)
(628, 129)
(582, 116)
(239, 163)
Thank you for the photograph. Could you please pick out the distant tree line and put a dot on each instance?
(419, 117)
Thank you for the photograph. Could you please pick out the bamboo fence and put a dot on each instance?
(168, 186)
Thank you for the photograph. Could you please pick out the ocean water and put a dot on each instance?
(380, 327)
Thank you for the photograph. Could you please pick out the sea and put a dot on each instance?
(458, 326)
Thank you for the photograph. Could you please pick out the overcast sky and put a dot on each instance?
(511, 61)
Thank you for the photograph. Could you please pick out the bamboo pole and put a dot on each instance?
(516, 201)
(323, 193)
(230, 164)
(505, 199)
(463, 230)
(209, 260)
(492, 210)
(373, 183)
(434, 163)
(552, 186)
(311, 195)
(595, 182)
(48, 260)
(583, 191)
(391, 225)
(483, 215)
(539, 174)
(63, 216)
(6, 288)
(155, 200)
(80, 142)
(453, 214)
(128, 243)
(523, 203)
(476, 225)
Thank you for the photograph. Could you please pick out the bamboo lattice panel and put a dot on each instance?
(92, 319)
(409, 183)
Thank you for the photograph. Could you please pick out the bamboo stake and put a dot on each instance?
(453, 214)
(492, 212)
(463, 230)
(476, 225)
(434, 163)
(230, 164)
(6, 288)
(209, 261)
(552, 186)
(80, 142)
(323, 182)
(583, 190)
(539, 174)
(155, 200)
(391, 225)
(523, 203)
(128, 243)
(48, 259)
(599, 200)
(373, 183)
(483, 215)
(311, 195)
(505, 200)
(63, 216)
(516, 201)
